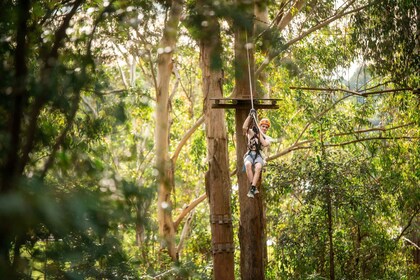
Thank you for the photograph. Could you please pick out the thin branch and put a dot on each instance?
(300, 145)
(328, 89)
(382, 129)
(106, 92)
(95, 26)
(378, 85)
(61, 138)
(319, 116)
(185, 232)
(411, 242)
(176, 72)
(177, 82)
(149, 58)
(416, 212)
(286, 151)
(335, 103)
(188, 209)
(184, 139)
(165, 274)
(387, 91)
(124, 79)
(372, 138)
(60, 35)
(306, 33)
(359, 93)
(280, 13)
(147, 159)
(87, 103)
(325, 23)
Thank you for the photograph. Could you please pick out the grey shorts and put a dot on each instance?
(253, 157)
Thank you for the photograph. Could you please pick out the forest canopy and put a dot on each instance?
(109, 143)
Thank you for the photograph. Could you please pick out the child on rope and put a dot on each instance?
(257, 140)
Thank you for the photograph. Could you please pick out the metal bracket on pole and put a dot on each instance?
(221, 219)
(219, 248)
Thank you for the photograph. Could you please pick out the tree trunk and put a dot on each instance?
(330, 231)
(251, 228)
(415, 237)
(163, 162)
(218, 187)
(261, 27)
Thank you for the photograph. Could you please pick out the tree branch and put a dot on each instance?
(39, 102)
(285, 20)
(63, 134)
(411, 242)
(372, 138)
(306, 33)
(362, 94)
(416, 212)
(188, 209)
(300, 145)
(185, 232)
(60, 34)
(319, 116)
(149, 58)
(184, 139)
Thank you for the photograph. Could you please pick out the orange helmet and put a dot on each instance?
(265, 122)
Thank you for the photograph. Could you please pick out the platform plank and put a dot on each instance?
(244, 103)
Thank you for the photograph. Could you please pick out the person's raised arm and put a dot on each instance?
(245, 126)
(264, 139)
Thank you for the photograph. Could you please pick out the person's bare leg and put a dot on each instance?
(258, 167)
(249, 173)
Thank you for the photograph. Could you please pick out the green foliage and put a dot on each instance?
(81, 203)
(364, 234)
(385, 34)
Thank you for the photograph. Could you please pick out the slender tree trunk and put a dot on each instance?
(163, 162)
(9, 174)
(261, 27)
(251, 228)
(218, 187)
(330, 232)
(415, 237)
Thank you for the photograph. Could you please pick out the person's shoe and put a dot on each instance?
(255, 190)
(250, 193)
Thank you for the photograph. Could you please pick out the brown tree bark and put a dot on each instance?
(163, 162)
(218, 187)
(415, 238)
(251, 228)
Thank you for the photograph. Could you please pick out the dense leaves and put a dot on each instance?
(78, 181)
(386, 33)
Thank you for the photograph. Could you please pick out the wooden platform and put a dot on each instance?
(244, 103)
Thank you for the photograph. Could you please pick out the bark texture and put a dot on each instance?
(218, 187)
(163, 163)
(251, 228)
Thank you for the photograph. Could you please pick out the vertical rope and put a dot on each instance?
(249, 77)
(249, 69)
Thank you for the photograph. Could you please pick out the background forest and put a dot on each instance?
(102, 103)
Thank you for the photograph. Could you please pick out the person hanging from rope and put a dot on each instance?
(257, 140)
